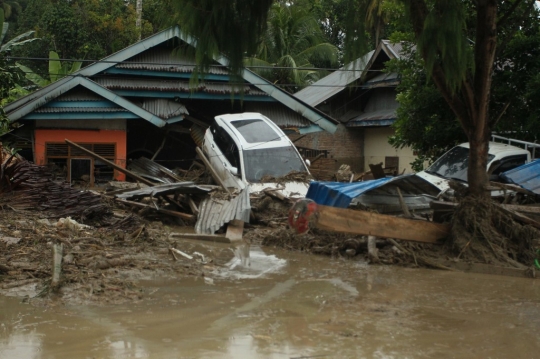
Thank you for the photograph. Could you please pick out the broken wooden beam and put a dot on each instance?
(188, 217)
(212, 170)
(109, 163)
(307, 214)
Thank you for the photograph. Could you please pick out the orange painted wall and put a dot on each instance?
(83, 136)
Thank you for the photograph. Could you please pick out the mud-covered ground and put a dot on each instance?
(104, 258)
(100, 264)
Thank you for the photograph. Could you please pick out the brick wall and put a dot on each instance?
(346, 146)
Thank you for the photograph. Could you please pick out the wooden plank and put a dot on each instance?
(379, 225)
(213, 172)
(202, 237)
(235, 229)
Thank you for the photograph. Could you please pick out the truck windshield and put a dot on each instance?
(275, 162)
(453, 164)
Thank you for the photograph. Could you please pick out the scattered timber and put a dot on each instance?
(181, 215)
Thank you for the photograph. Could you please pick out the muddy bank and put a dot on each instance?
(99, 264)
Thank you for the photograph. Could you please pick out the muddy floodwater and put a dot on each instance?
(279, 304)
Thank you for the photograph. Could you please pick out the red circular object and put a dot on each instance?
(303, 215)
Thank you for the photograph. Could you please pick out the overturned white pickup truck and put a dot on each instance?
(247, 148)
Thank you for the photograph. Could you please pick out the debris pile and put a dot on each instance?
(24, 185)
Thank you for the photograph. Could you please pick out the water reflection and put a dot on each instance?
(252, 262)
(287, 305)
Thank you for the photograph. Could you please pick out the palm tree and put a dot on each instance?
(291, 47)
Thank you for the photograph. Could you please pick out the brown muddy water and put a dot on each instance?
(280, 304)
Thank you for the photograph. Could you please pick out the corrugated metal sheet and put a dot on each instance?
(150, 169)
(79, 109)
(334, 83)
(374, 118)
(279, 114)
(386, 78)
(166, 59)
(215, 212)
(381, 107)
(79, 94)
(396, 49)
(380, 194)
(164, 108)
(179, 86)
(165, 189)
(526, 176)
(338, 194)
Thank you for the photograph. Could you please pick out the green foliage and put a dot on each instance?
(444, 41)
(57, 70)
(8, 78)
(233, 28)
(424, 121)
(17, 40)
(292, 41)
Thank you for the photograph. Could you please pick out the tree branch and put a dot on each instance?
(509, 12)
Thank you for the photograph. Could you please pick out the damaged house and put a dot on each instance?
(363, 98)
(139, 102)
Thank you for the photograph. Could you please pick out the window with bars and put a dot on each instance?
(61, 155)
(56, 150)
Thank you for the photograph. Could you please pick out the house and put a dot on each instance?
(363, 98)
(140, 102)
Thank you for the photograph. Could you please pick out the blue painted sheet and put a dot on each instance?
(338, 194)
(526, 176)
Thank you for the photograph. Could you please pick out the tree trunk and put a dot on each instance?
(470, 101)
(477, 176)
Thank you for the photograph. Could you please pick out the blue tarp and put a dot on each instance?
(338, 194)
(526, 176)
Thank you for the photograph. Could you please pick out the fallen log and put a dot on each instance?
(306, 214)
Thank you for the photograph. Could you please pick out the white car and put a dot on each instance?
(246, 148)
(453, 164)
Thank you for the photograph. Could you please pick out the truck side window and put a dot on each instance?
(510, 162)
(227, 145)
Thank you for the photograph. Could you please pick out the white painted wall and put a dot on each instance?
(376, 148)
